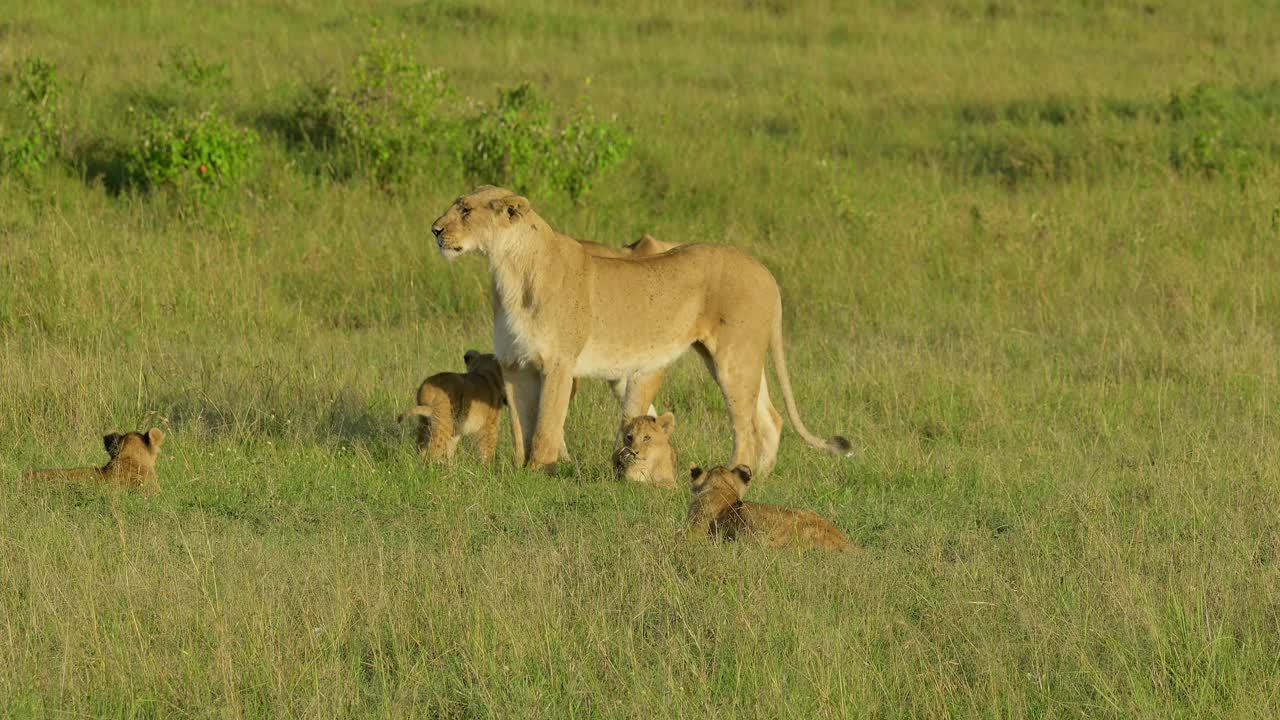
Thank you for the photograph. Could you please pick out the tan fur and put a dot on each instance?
(561, 313)
(718, 511)
(646, 455)
(647, 245)
(132, 465)
(451, 405)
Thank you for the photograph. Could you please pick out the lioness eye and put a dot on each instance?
(466, 211)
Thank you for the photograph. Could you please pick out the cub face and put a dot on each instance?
(646, 455)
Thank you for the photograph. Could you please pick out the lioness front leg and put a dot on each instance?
(553, 406)
(521, 385)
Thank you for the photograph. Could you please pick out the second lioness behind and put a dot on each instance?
(451, 405)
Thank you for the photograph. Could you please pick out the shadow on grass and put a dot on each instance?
(106, 163)
(346, 423)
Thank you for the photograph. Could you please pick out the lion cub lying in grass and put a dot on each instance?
(646, 455)
(132, 464)
(451, 405)
(718, 511)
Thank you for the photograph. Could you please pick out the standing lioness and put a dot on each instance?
(561, 313)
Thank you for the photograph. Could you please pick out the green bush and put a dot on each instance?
(199, 155)
(196, 74)
(394, 117)
(391, 120)
(515, 143)
(1207, 135)
(38, 138)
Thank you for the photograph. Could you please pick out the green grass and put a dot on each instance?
(1028, 253)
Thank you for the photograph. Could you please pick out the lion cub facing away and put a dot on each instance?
(451, 405)
(646, 455)
(132, 464)
(718, 511)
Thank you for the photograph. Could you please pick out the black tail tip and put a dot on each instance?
(840, 444)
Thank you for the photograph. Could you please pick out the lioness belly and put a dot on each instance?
(614, 362)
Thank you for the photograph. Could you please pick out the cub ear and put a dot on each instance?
(470, 355)
(112, 443)
(154, 437)
(744, 474)
(667, 423)
(513, 207)
(696, 472)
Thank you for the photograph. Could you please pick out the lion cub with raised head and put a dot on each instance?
(451, 405)
(132, 464)
(717, 510)
(646, 455)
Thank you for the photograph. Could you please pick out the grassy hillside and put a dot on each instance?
(1029, 256)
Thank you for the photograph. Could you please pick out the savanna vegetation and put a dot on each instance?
(1029, 253)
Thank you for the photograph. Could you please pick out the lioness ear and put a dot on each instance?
(667, 423)
(513, 206)
(155, 436)
(470, 355)
(696, 472)
(112, 443)
(744, 474)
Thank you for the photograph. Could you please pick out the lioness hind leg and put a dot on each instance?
(768, 430)
(740, 383)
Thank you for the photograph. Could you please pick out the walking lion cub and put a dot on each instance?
(718, 511)
(132, 464)
(451, 405)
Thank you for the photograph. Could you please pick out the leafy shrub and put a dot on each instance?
(188, 146)
(194, 73)
(508, 143)
(515, 143)
(200, 154)
(39, 139)
(1208, 131)
(393, 118)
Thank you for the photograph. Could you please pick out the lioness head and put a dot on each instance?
(646, 454)
(477, 218)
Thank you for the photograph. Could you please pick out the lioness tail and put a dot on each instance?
(837, 444)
